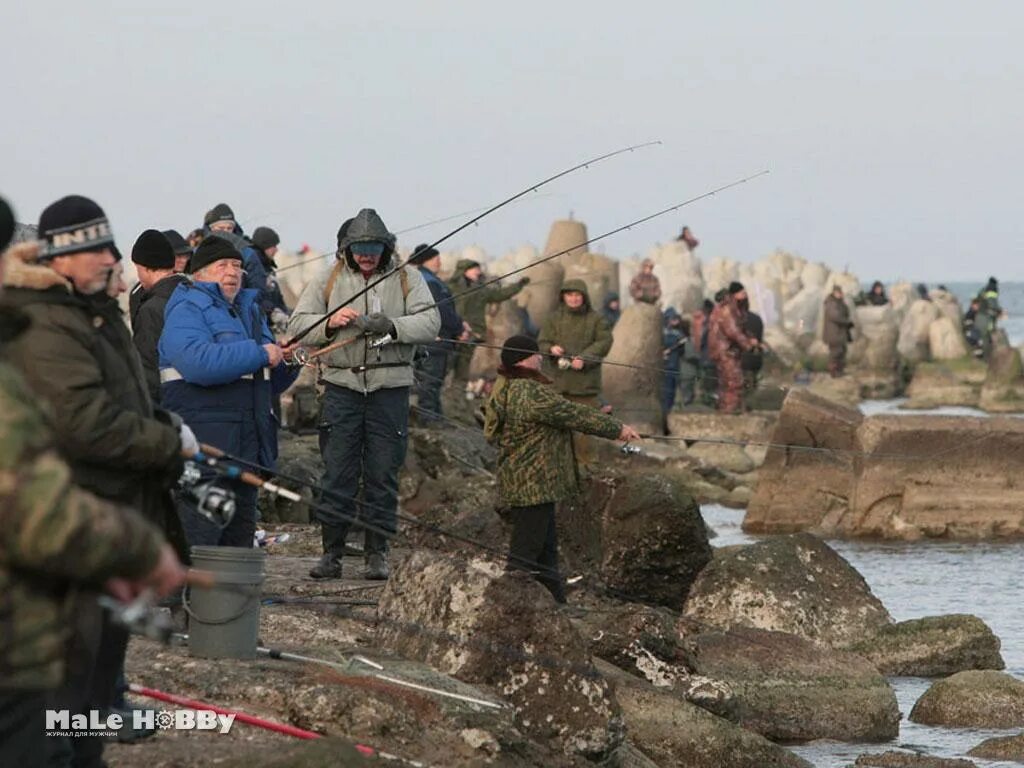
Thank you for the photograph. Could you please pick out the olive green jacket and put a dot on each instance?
(532, 426)
(57, 542)
(471, 302)
(584, 333)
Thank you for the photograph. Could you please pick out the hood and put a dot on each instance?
(671, 314)
(367, 226)
(576, 285)
(609, 298)
(461, 266)
(22, 270)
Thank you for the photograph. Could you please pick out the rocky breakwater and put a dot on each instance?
(833, 471)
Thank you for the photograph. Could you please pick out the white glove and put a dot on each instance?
(189, 443)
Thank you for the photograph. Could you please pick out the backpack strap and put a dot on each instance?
(329, 288)
(403, 278)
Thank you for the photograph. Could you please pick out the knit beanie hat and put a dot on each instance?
(219, 212)
(74, 224)
(735, 287)
(6, 223)
(422, 253)
(265, 237)
(212, 249)
(516, 349)
(153, 250)
(178, 243)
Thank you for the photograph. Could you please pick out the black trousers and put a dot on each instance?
(363, 439)
(534, 546)
(23, 739)
(430, 370)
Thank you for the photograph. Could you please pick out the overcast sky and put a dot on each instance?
(892, 130)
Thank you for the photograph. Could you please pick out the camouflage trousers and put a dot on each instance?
(730, 384)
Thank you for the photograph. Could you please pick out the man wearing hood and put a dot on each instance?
(219, 369)
(576, 338)
(155, 263)
(676, 350)
(988, 315)
(645, 286)
(76, 355)
(365, 412)
(726, 343)
(471, 300)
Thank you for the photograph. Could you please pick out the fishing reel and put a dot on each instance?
(628, 449)
(214, 502)
(140, 617)
(564, 363)
(297, 357)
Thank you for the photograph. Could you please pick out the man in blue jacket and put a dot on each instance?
(219, 369)
(431, 363)
(220, 221)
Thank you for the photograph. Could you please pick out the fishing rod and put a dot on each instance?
(609, 233)
(532, 188)
(407, 230)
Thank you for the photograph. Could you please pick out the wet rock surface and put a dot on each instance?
(935, 646)
(795, 584)
(673, 732)
(974, 699)
(789, 689)
(1001, 748)
(476, 622)
(644, 533)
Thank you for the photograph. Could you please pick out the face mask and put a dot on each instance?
(743, 304)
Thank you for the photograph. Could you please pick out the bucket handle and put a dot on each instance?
(192, 613)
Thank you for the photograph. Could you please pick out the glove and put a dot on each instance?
(377, 324)
(189, 443)
(524, 281)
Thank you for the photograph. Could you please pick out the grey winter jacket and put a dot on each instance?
(414, 316)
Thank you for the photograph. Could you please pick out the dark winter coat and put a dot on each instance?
(753, 327)
(451, 320)
(532, 427)
(838, 325)
(214, 373)
(146, 310)
(56, 539)
(471, 302)
(78, 356)
(583, 333)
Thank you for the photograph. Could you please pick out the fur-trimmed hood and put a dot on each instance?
(22, 270)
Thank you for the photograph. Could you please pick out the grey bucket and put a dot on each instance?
(224, 623)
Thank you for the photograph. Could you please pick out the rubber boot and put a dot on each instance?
(329, 567)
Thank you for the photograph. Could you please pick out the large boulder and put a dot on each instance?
(977, 699)
(540, 297)
(795, 584)
(566, 237)
(789, 689)
(879, 334)
(1009, 748)
(1003, 390)
(641, 533)
(935, 646)
(679, 271)
(914, 337)
(946, 383)
(800, 313)
(718, 273)
(946, 340)
(470, 619)
(634, 388)
(832, 471)
(673, 732)
(807, 475)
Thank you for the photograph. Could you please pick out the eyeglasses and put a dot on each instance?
(367, 249)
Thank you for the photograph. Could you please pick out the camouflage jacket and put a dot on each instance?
(532, 426)
(725, 331)
(55, 538)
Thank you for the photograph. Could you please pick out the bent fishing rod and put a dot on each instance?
(532, 188)
(407, 230)
(305, 357)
